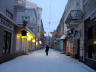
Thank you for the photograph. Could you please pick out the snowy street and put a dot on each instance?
(37, 61)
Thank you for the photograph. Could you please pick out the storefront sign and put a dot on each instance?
(94, 42)
(53, 32)
(6, 24)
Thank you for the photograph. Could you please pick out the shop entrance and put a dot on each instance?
(7, 42)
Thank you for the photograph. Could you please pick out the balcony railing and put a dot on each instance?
(20, 2)
(74, 15)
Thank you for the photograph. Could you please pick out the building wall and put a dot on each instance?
(29, 12)
(38, 11)
(75, 5)
(14, 41)
(10, 6)
(18, 42)
(89, 6)
(30, 4)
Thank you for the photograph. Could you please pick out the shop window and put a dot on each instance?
(7, 42)
(90, 52)
(8, 14)
(90, 33)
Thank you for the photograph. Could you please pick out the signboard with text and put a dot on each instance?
(6, 24)
(53, 32)
(42, 32)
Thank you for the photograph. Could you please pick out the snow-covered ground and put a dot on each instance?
(39, 62)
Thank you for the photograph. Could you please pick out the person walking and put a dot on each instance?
(47, 49)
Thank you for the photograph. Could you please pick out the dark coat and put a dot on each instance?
(47, 48)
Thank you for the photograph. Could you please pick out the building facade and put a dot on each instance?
(31, 17)
(8, 13)
(60, 30)
(90, 32)
(12, 38)
(73, 20)
(39, 23)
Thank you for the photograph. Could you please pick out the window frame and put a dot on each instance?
(8, 14)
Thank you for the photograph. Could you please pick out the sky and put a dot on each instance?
(52, 15)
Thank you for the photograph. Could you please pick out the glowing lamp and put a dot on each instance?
(33, 40)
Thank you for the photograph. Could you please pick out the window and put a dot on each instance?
(8, 14)
(7, 42)
(38, 16)
(90, 51)
(90, 33)
(38, 29)
(26, 18)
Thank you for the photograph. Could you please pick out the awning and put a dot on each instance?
(63, 37)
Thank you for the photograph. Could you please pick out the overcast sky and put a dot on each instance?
(57, 9)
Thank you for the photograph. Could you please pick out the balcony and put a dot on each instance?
(20, 5)
(74, 18)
